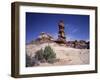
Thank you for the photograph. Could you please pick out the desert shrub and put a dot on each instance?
(39, 55)
(34, 61)
(49, 54)
(28, 61)
(31, 61)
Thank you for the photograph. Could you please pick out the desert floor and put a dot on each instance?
(66, 55)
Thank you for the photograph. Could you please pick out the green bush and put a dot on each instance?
(48, 55)
(28, 61)
(39, 55)
(31, 61)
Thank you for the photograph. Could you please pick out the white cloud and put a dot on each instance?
(55, 35)
(69, 38)
(74, 30)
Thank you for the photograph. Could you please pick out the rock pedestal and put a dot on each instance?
(61, 33)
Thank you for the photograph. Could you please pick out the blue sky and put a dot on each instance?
(76, 26)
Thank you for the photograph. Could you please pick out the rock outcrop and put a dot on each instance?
(43, 38)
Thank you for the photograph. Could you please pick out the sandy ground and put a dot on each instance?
(66, 55)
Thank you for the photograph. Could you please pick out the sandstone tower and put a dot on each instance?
(61, 32)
